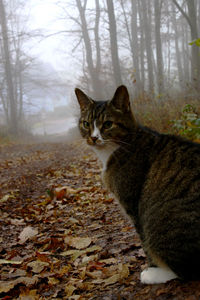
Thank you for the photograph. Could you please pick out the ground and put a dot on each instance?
(63, 236)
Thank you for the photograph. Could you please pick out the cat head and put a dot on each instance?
(104, 122)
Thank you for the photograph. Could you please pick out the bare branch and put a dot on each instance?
(80, 40)
(183, 13)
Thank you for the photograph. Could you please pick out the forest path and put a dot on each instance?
(62, 235)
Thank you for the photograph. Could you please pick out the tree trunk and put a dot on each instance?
(96, 86)
(191, 18)
(135, 46)
(147, 32)
(195, 63)
(13, 126)
(97, 39)
(113, 43)
(160, 76)
(185, 54)
(141, 48)
(178, 54)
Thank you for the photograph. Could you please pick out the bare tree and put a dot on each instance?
(177, 47)
(160, 75)
(12, 111)
(147, 31)
(191, 18)
(135, 46)
(155, 55)
(113, 43)
(93, 71)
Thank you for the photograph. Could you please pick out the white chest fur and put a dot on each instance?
(105, 152)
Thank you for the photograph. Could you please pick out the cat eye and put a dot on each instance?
(107, 124)
(86, 124)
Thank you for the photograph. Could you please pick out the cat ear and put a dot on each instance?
(121, 99)
(83, 99)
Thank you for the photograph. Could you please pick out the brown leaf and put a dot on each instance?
(53, 281)
(17, 222)
(42, 256)
(123, 271)
(111, 280)
(7, 286)
(37, 266)
(78, 242)
(69, 290)
(27, 233)
(29, 295)
(75, 297)
(5, 198)
(10, 262)
(109, 261)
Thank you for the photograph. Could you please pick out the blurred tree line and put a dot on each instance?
(23, 78)
(145, 44)
(142, 43)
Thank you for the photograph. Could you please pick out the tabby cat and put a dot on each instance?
(156, 179)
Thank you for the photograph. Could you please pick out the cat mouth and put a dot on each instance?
(95, 142)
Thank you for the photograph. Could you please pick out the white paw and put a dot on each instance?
(156, 275)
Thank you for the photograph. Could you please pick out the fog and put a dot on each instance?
(49, 47)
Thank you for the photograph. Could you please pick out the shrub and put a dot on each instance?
(189, 123)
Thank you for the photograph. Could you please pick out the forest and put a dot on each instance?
(62, 235)
(150, 46)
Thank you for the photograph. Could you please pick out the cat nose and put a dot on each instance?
(94, 138)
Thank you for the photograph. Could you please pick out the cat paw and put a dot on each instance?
(156, 275)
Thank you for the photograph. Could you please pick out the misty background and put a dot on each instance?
(49, 47)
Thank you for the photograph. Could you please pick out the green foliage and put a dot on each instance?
(195, 42)
(189, 123)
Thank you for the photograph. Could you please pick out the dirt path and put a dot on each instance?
(62, 236)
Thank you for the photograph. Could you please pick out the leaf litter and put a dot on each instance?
(63, 236)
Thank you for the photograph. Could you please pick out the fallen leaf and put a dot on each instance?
(75, 297)
(69, 290)
(78, 242)
(52, 281)
(93, 249)
(27, 233)
(127, 228)
(29, 295)
(74, 253)
(111, 280)
(83, 273)
(123, 271)
(109, 261)
(61, 192)
(42, 256)
(73, 220)
(7, 286)
(5, 198)
(10, 262)
(37, 266)
(15, 274)
(94, 274)
(17, 222)
(87, 259)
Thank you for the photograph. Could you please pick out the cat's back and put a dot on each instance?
(169, 208)
(172, 183)
(175, 168)
(163, 164)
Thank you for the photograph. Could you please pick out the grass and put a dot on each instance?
(161, 115)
